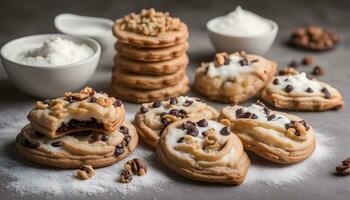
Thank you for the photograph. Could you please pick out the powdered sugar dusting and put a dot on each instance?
(26, 178)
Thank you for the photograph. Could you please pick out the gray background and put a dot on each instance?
(20, 18)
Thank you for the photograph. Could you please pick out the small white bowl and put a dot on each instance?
(257, 44)
(97, 28)
(49, 81)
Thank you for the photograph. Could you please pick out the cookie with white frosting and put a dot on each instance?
(153, 117)
(275, 136)
(203, 150)
(85, 110)
(79, 148)
(297, 91)
(233, 77)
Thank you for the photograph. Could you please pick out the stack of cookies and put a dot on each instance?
(151, 61)
(79, 129)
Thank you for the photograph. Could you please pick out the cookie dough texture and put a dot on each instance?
(306, 94)
(234, 78)
(76, 149)
(276, 136)
(150, 124)
(213, 158)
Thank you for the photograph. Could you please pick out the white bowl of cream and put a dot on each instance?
(242, 30)
(48, 65)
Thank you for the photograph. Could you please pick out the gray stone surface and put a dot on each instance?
(19, 18)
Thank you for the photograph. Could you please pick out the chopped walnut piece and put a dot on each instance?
(83, 94)
(220, 59)
(86, 172)
(150, 22)
(287, 71)
(40, 105)
(125, 176)
(136, 166)
(104, 102)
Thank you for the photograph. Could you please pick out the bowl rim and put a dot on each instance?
(95, 45)
(274, 29)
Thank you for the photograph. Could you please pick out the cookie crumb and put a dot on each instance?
(125, 176)
(86, 172)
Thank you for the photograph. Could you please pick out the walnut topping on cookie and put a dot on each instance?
(154, 117)
(210, 156)
(276, 136)
(233, 77)
(150, 22)
(298, 91)
(84, 110)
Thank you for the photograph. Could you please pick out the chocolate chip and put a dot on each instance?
(173, 100)
(165, 122)
(104, 137)
(344, 168)
(239, 112)
(174, 112)
(192, 131)
(317, 71)
(57, 144)
(202, 123)
(297, 133)
(188, 124)
(227, 60)
(180, 140)
(289, 88)
(288, 125)
(119, 149)
(46, 101)
(254, 116)
(124, 130)
(225, 131)
(309, 90)
(253, 61)
(246, 115)
(188, 103)
(157, 104)
(92, 99)
(293, 63)
(143, 109)
(276, 81)
(183, 113)
(71, 99)
(271, 117)
(243, 62)
(204, 133)
(327, 94)
(117, 103)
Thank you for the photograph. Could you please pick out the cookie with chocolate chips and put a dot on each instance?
(216, 155)
(233, 77)
(154, 117)
(298, 91)
(79, 148)
(275, 136)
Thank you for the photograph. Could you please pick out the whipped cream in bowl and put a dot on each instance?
(242, 30)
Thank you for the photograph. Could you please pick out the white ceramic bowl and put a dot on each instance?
(97, 28)
(258, 44)
(49, 81)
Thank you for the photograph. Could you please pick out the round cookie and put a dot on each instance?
(138, 30)
(151, 68)
(153, 117)
(298, 92)
(142, 96)
(276, 136)
(81, 148)
(151, 55)
(85, 110)
(233, 78)
(147, 82)
(203, 150)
